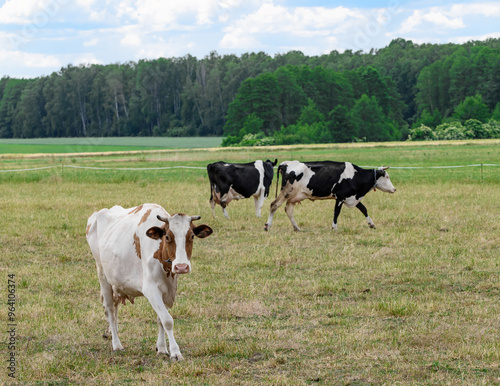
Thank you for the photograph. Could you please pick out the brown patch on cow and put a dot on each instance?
(136, 209)
(88, 229)
(137, 244)
(166, 251)
(120, 298)
(126, 297)
(189, 241)
(215, 196)
(144, 217)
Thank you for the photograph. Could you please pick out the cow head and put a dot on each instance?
(177, 237)
(382, 180)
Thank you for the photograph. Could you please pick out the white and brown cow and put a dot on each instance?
(142, 251)
(343, 181)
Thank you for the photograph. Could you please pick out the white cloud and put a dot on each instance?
(28, 61)
(236, 38)
(91, 43)
(35, 12)
(465, 39)
(301, 22)
(131, 40)
(483, 9)
(87, 58)
(167, 15)
(448, 17)
(19, 12)
(434, 16)
(132, 36)
(122, 30)
(441, 20)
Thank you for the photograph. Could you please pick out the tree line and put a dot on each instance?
(256, 98)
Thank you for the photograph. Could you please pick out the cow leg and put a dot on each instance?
(259, 202)
(336, 213)
(223, 204)
(289, 211)
(212, 205)
(110, 309)
(274, 207)
(167, 322)
(363, 210)
(109, 331)
(161, 344)
(214, 199)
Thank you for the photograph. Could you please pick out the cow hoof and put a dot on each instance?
(297, 229)
(119, 348)
(266, 227)
(162, 352)
(372, 226)
(177, 358)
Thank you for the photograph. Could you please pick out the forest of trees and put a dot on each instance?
(402, 91)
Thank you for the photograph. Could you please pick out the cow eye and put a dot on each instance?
(167, 238)
(192, 237)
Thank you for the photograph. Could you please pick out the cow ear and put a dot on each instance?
(202, 231)
(155, 233)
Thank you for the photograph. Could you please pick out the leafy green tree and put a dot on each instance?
(496, 113)
(369, 81)
(428, 119)
(340, 125)
(433, 85)
(472, 108)
(259, 96)
(291, 97)
(310, 114)
(252, 125)
(30, 111)
(370, 122)
(12, 92)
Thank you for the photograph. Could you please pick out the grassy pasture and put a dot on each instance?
(415, 301)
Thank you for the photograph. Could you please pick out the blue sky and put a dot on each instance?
(38, 37)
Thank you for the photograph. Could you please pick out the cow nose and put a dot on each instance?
(181, 268)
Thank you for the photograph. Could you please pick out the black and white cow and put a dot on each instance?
(343, 181)
(237, 181)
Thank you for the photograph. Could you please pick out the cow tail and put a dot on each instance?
(210, 179)
(277, 181)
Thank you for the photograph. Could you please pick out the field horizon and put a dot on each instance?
(101, 144)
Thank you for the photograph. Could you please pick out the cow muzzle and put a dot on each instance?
(181, 268)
